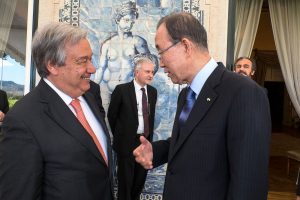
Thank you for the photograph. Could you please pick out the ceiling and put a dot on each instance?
(16, 44)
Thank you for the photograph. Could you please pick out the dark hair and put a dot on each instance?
(182, 24)
(253, 67)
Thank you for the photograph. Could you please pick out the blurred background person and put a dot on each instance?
(4, 105)
(245, 66)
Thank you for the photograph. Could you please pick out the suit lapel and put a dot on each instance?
(132, 96)
(202, 105)
(175, 132)
(95, 109)
(56, 109)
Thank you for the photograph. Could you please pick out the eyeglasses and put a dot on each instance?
(160, 53)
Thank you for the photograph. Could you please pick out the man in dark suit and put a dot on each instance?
(246, 67)
(95, 91)
(55, 144)
(219, 147)
(4, 105)
(125, 116)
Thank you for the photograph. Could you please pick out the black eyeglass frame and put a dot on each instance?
(166, 49)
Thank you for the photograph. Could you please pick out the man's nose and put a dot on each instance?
(161, 63)
(91, 68)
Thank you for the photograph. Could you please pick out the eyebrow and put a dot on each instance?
(84, 57)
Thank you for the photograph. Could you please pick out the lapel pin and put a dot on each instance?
(208, 99)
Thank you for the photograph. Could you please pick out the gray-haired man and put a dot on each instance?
(131, 114)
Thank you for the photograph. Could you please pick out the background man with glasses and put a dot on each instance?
(219, 147)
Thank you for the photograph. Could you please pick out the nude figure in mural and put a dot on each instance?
(117, 52)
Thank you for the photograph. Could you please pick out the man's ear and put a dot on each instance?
(252, 73)
(187, 44)
(52, 68)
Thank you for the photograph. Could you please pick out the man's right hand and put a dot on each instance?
(144, 154)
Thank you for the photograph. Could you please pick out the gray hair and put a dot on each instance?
(49, 44)
(140, 58)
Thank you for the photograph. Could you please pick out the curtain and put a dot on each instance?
(264, 60)
(7, 10)
(247, 19)
(286, 29)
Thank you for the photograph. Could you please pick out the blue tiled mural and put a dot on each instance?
(118, 30)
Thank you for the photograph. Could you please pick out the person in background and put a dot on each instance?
(54, 142)
(4, 105)
(219, 147)
(130, 115)
(245, 66)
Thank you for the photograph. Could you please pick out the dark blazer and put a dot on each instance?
(4, 106)
(123, 116)
(222, 151)
(95, 91)
(46, 154)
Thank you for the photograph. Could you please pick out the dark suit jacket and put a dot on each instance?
(95, 91)
(46, 154)
(4, 106)
(123, 116)
(222, 151)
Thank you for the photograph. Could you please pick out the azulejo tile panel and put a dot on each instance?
(114, 43)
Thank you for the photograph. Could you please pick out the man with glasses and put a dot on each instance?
(219, 147)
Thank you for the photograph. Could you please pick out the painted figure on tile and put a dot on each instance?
(116, 53)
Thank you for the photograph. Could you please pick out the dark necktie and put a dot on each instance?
(145, 113)
(189, 102)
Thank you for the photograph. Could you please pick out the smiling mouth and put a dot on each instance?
(85, 78)
(168, 74)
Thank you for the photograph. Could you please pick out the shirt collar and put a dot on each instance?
(66, 98)
(137, 86)
(202, 76)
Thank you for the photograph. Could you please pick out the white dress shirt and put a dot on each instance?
(89, 115)
(138, 94)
